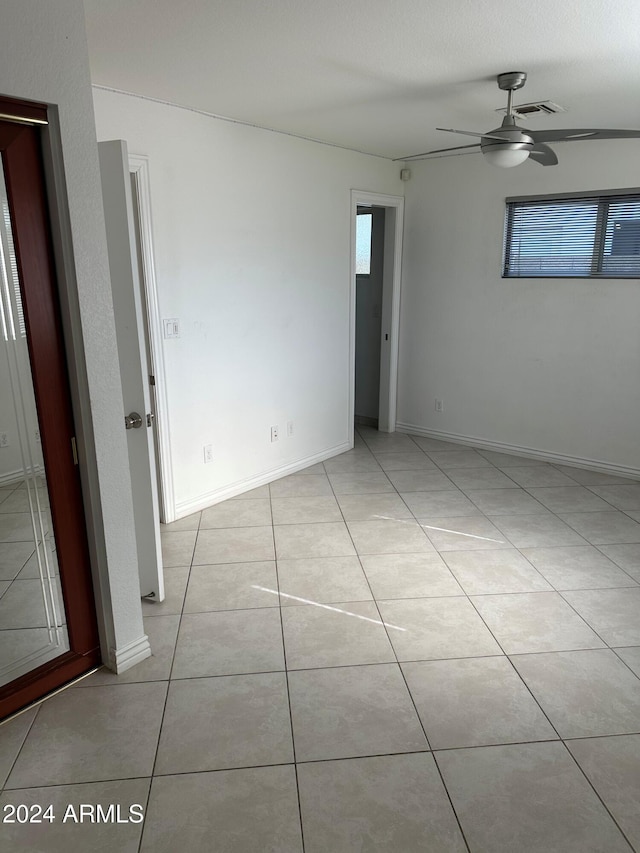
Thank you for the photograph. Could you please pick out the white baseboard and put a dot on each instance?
(120, 660)
(529, 452)
(210, 498)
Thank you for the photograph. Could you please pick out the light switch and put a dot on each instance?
(171, 328)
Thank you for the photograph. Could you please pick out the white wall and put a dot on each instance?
(549, 364)
(44, 58)
(252, 243)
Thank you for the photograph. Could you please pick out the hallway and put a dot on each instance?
(415, 646)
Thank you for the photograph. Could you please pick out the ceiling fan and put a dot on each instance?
(509, 145)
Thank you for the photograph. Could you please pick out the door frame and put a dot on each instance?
(392, 277)
(139, 169)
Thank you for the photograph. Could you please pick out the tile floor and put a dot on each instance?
(415, 646)
(31, 630)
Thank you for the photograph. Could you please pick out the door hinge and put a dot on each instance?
(74, 449)
(152, 379)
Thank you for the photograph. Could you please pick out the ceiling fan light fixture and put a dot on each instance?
(504, 156)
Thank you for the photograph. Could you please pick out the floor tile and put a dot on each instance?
(446, 504)
(99, 734)
(505, 502)
(631, 656)
(342, 634)
(387, 536)
(58, 836)
(249, 513)
(233, 811)
(177, 547)
(189, 522)
(322, 579)
(22, 606)
(634, 514)
(584, 693)
(175, 586)
(579, 567)
(387, 803)
(464, 534)
(12, 735)
(301, 486)
(474, 702)
(229, 642)
(418, 461)
(353, 711)
(436, 628)
(625, 497)
(451, 459)
(535, 622)
(15, 527)
(220, 723)
(531, 476)
(481, 478)
(231, 586)
(13, 556)
(569, 499)
(537, 531)
(538, 801)
(234, 545)
(604, 528)
(305, 510)
(429, 444)
(317, 468)
(327, 539)
(421, 481)
(162, 632)
(612, 765)
(373, 507)
(592, 478)
(360, 484)
(409, 576)
(352, 462)
(388, 441)
(508, 460)
(485, 572)
(253, 494)
(613, 613)
(625, 556)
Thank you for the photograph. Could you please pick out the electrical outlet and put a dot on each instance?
(37, 435)
(208, 453)
(289, 429)
(274, 433)
(439, 407)
(4, 439)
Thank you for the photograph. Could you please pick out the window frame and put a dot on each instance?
(603, 198)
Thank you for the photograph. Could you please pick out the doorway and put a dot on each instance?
(376, 226)
(48, 626)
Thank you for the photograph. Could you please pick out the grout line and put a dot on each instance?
(595, 791)
(286, 674)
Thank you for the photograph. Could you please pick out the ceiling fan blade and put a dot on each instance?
(577, 135)
(472, 133)
(543, 154)
(436, 151)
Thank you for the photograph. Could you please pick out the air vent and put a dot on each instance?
(545, 107)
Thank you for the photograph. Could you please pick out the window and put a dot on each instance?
(585, 235)
(363, 243)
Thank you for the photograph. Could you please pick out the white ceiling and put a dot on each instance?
(373, 75)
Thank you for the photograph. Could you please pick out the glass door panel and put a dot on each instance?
(33, 627)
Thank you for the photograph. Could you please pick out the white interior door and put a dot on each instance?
(134, 371)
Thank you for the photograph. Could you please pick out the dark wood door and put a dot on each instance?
(60, 558)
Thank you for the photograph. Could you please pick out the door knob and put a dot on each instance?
(133, 421)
